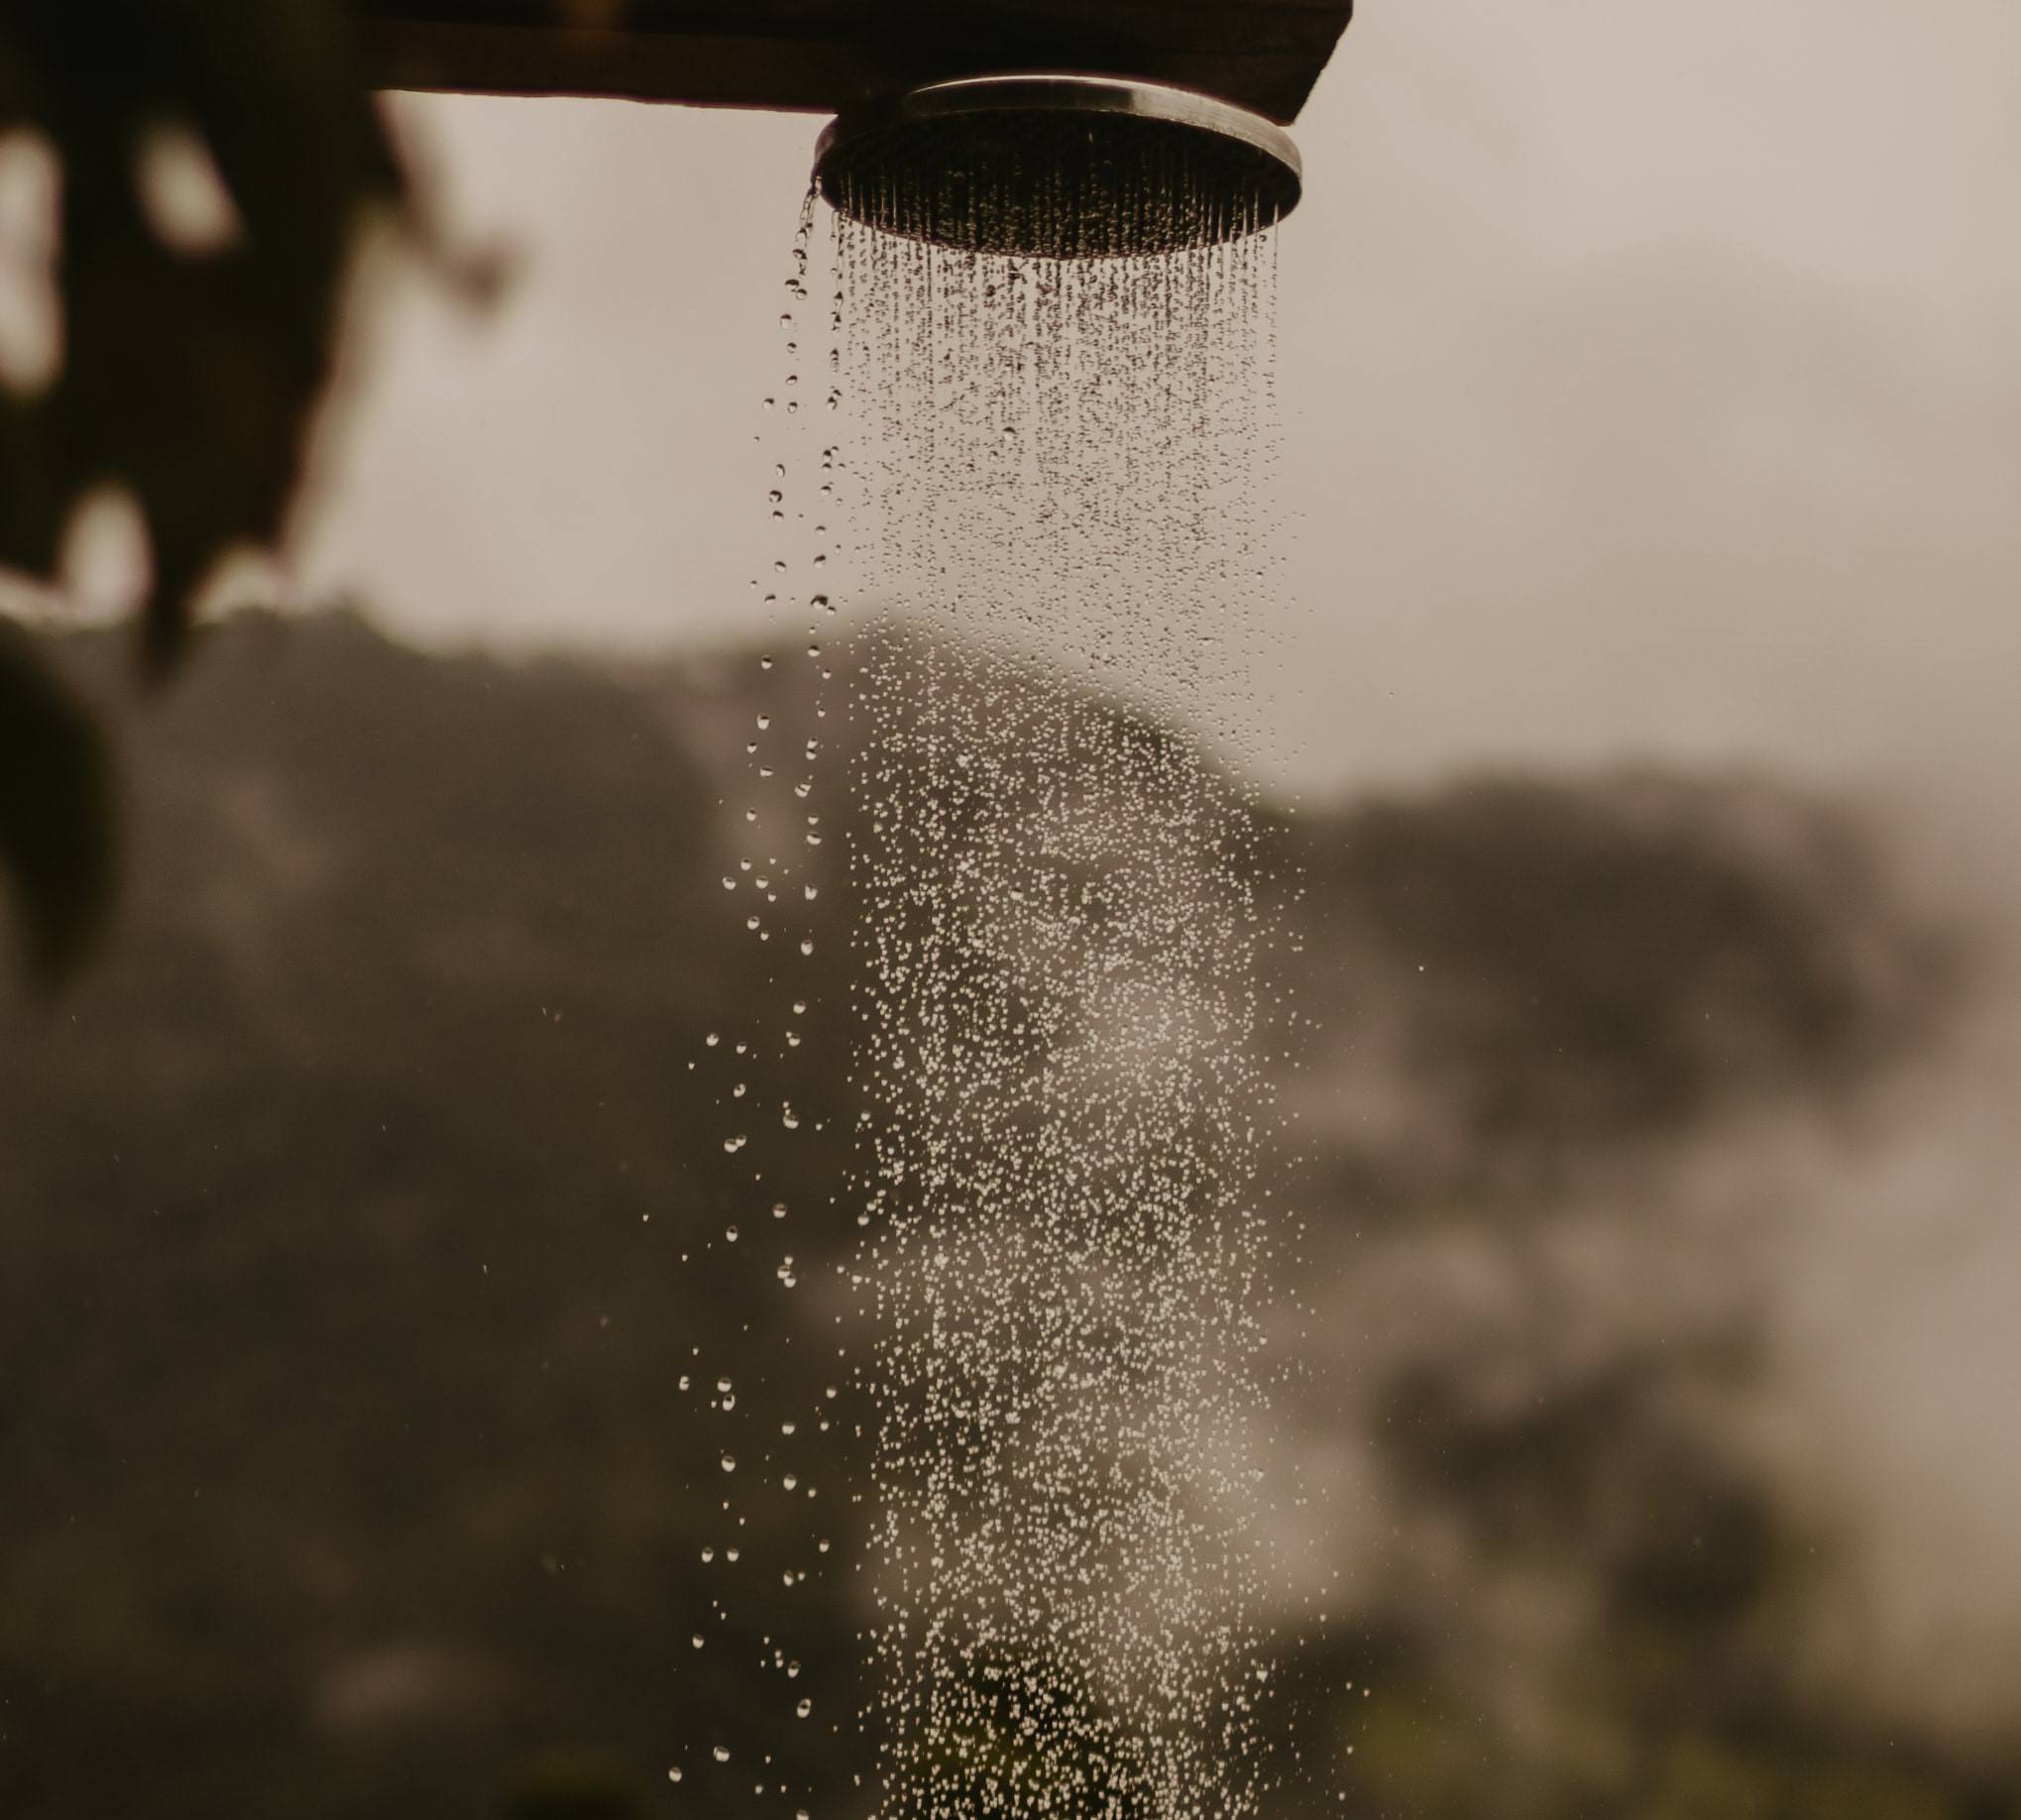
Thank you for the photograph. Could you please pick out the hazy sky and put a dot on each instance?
(1653, 377)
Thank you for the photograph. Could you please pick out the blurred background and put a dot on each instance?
(1639, 731)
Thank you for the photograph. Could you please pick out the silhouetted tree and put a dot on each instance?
(190, 364)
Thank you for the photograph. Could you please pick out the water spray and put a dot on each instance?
(1052, 368)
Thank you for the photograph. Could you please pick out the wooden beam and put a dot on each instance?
(825, 55)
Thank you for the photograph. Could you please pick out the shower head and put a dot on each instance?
(1060, 166)
(1134, 155)
(1131, 157)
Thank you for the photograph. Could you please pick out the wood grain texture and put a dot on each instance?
(825, 55)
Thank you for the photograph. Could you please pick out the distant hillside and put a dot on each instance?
(345, 1469)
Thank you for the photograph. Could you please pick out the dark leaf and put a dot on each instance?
(191, 380)
(190, 377)
(56, 814)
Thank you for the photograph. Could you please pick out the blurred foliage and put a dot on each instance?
(345, 1210)
(368, 1204)
(188, 375)
(1629, 933)
(1606, 968)
(573, 1788)
(56, 812)
(190, 364)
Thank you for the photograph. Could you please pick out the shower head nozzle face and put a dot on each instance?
(1060, 167)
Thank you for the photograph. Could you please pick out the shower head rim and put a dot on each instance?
(1193, 114)
(1045, 91)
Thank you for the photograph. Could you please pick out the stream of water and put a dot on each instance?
(1062, 993)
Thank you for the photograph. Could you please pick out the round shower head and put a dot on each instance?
(1060, 166)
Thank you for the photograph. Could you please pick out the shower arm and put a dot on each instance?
(836, 56)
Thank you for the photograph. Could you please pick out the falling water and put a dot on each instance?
(764, 1439)
(1062, 999)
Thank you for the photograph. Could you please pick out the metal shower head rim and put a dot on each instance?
(1019, 91)
(1055, 94)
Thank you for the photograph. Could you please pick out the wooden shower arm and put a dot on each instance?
(827, 56)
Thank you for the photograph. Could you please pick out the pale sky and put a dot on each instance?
(1653, 384)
